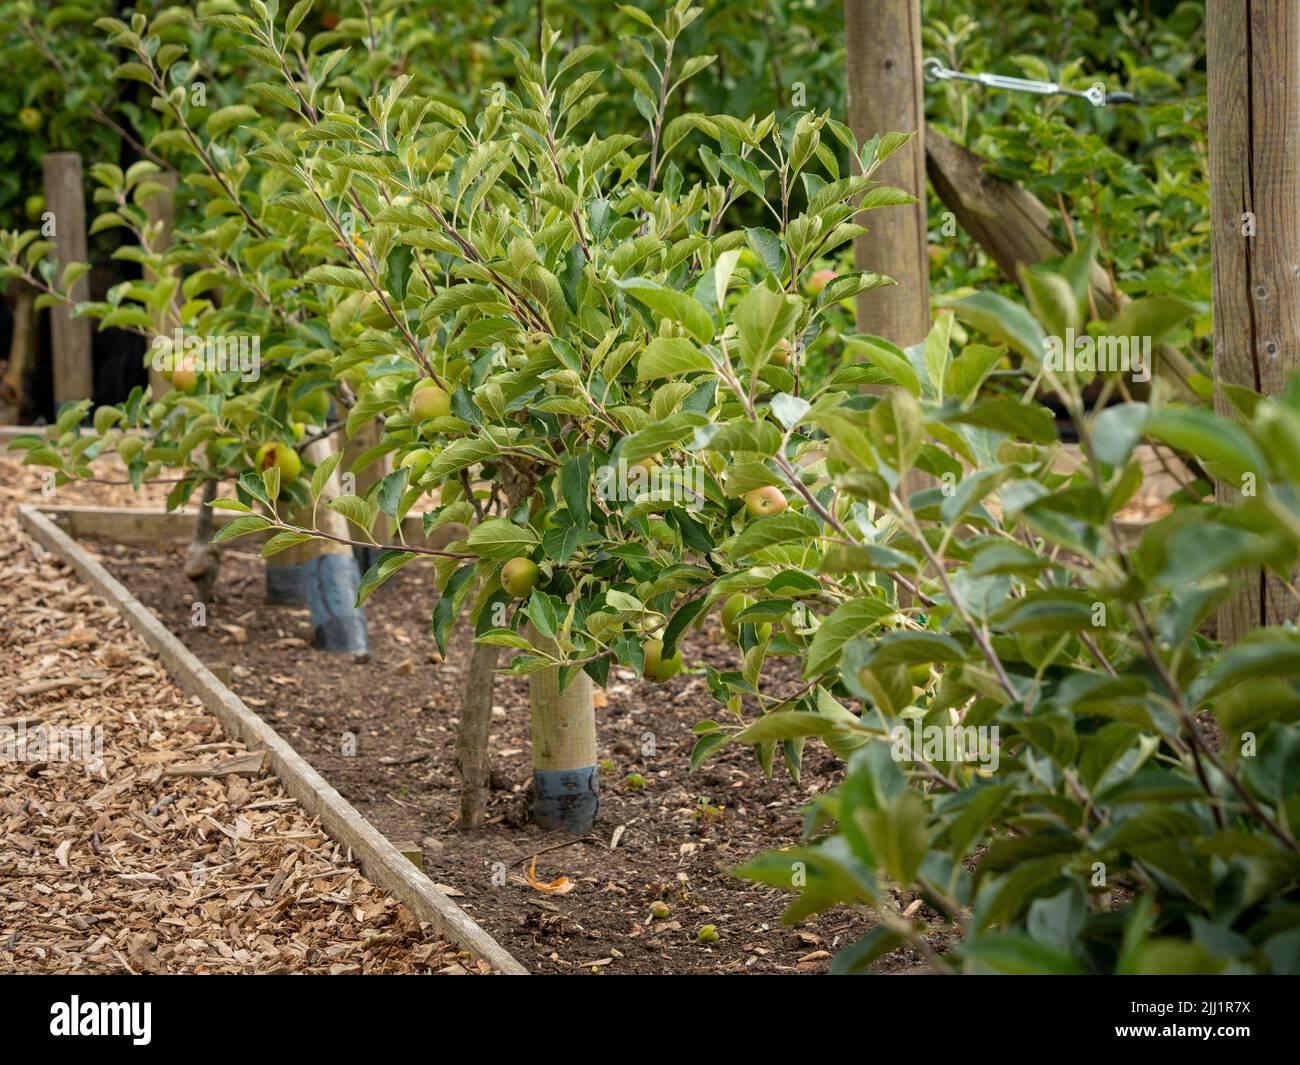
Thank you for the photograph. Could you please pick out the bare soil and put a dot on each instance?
(671, 839)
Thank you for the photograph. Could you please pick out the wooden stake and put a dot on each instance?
(65, 197)
(1253, 66)
(1006, 220)
(883, 42)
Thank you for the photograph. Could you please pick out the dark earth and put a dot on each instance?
(671, 839)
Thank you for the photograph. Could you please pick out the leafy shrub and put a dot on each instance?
(1085, 782)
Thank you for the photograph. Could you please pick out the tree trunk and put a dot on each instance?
(1253, 66)
(883, 43)
(566, 779)
(331, 575)
(285, 584)
(203, 560)
(323, 574)
(22, 350)
(367, 436)
(472, 739)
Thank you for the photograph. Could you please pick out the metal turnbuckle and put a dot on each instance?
(1095, 94)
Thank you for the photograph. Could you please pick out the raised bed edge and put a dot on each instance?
(146, 525)
(381, 862)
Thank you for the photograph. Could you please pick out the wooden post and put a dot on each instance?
(1253, 66)
(161, 212)
(65, 198)
(1004, 219)
(883, 42)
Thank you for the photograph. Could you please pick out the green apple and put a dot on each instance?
(184, 380)
(765, 501)
(281, 455)
(519, 577)
(35, 207)
(30, 119)
(657, 668)
(429, 401)
(732, 608)
(417, 462)
(781, 353)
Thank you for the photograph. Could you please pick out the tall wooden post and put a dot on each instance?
(1253, 63)
(65, 198)
(883, 42)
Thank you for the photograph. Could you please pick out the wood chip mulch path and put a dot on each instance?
(174, 852)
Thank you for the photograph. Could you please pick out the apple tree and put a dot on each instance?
(567, 361)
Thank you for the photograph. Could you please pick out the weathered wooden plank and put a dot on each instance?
(1253, 68)
(65, 198)
(885, 83)
(128, 525)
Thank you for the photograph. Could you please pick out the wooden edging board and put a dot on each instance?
(381, 862)
(137, 525)
(13, 432)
